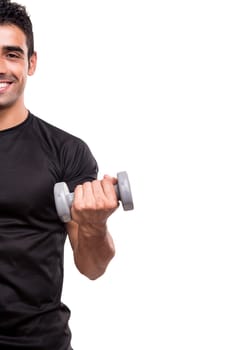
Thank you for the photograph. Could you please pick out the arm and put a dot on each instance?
(91, 242)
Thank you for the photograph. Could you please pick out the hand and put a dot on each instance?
(94, 201)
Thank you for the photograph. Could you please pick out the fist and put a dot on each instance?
(94, 201)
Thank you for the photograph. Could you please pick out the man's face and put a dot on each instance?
(14, 65)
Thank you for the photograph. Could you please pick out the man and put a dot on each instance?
(34, 155)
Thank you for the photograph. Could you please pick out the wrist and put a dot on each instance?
(93, 230)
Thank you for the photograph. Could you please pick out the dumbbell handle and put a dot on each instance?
(64, 198)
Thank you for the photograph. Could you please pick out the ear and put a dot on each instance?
(32, 63)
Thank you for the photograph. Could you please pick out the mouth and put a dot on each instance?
(4, 86)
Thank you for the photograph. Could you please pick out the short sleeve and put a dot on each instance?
(78, 163)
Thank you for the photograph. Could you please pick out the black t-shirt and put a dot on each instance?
(34, 156)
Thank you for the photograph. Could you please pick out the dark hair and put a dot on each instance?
(16, 14)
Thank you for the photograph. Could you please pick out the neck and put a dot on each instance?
(10, 117)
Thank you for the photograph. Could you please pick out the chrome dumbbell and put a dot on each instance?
(64, 198)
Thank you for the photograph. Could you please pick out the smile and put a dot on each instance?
(4, 86)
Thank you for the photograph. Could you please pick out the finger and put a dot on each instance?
(110, 178)
(88, 195)
(78, 192)
(78, 197)
(83, 196)
(109, 190)
(99, 194)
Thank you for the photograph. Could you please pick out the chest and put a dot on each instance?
(27, 177)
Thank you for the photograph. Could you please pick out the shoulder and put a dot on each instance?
(69, 151)
(42, 126)
(54, 136)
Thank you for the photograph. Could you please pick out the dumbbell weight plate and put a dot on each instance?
(62, 201)
(124, 190)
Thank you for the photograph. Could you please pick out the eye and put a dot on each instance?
(13, 55)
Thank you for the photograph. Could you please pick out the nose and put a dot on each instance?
(3, 65)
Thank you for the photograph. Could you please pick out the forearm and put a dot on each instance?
(94, 250)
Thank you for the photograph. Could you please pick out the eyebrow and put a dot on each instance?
(14, 48)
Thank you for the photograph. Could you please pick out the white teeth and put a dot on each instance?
(3, 85)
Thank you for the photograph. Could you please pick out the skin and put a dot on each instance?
(14, 69)
(94, 202)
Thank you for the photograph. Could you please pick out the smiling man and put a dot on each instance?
(34, 155)
(16, 65)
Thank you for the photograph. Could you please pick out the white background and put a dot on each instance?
(148, 85)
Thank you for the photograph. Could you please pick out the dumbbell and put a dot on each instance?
(64, 198)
